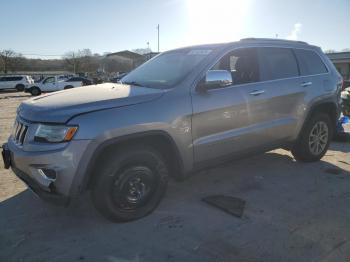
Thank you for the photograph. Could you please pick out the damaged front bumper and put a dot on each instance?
(50, 173)
(47, 194)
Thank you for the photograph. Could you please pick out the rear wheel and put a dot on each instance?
(130, 185)
(20, 87)
(35, 91)
(314, 140)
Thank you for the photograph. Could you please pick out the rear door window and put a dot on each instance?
(310, 62)
(277, 63)
(17, 78)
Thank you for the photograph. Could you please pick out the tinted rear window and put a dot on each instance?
(310, 63)
(73, 79)
(277, 63)
(12, 78)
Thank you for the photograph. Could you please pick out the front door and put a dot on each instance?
(49, 84)
(221, 122)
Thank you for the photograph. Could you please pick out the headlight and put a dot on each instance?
(54, 133)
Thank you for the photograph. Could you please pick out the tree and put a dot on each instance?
(82, 60)
(330, 51)
(8, 59)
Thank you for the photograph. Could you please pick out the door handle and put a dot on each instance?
(257, 92)
(305, 84)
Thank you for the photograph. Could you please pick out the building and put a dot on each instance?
(125, 61)
(341, 61)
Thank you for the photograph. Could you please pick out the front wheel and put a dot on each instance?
(130, 184)
(314, 140)
(35, 91)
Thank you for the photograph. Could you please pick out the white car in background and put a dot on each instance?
(15, 82)
(50, 84)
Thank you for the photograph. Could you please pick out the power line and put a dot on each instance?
(40, 54)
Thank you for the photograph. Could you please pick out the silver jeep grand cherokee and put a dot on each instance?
(181, 111)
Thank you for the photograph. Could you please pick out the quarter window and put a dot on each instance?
(277, 63)
(310, 63)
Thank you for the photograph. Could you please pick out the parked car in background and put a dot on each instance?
(184, 110)
(50, 84)
(83, 80)
(346, 84)
(117, 78)
(345, 95)
(64, 77)
(97, 80)
(15, 82)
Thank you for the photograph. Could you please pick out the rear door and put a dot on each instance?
(313, 71)
(6, 82)
(279, 105)
(2, 80)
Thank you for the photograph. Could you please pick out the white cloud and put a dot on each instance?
(293, 35)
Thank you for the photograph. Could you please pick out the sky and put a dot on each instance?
(49, 29)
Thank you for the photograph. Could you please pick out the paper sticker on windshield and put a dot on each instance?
(199, 52)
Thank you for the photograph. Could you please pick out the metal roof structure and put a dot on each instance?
(126, 54)
(339, 57)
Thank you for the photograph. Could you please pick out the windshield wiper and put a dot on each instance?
(134, 83)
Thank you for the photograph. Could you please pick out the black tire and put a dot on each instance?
(20, 88)
(35, 91)
(68, 87)
(130, 184)
(308, 148)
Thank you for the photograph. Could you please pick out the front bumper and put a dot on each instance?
(52, 196)
(50, 174)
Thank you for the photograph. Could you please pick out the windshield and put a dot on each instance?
(167, 69)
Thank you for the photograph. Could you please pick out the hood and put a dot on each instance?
(59, 107)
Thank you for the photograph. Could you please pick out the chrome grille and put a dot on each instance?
(19, 132)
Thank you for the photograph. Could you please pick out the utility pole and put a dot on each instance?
(158, 36)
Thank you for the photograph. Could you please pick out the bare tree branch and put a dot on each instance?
(8, 59)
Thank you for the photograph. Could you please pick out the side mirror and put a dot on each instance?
(215, 79)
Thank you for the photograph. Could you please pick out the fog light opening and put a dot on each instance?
(48, 174)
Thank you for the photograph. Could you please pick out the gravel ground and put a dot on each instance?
(294, 212)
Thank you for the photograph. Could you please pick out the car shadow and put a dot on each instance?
(5, 91)
(181, 228)
(10, 92)
(340, 146)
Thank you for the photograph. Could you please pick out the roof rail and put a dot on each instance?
(272, 39)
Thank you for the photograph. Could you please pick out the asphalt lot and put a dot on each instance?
(294, 212)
